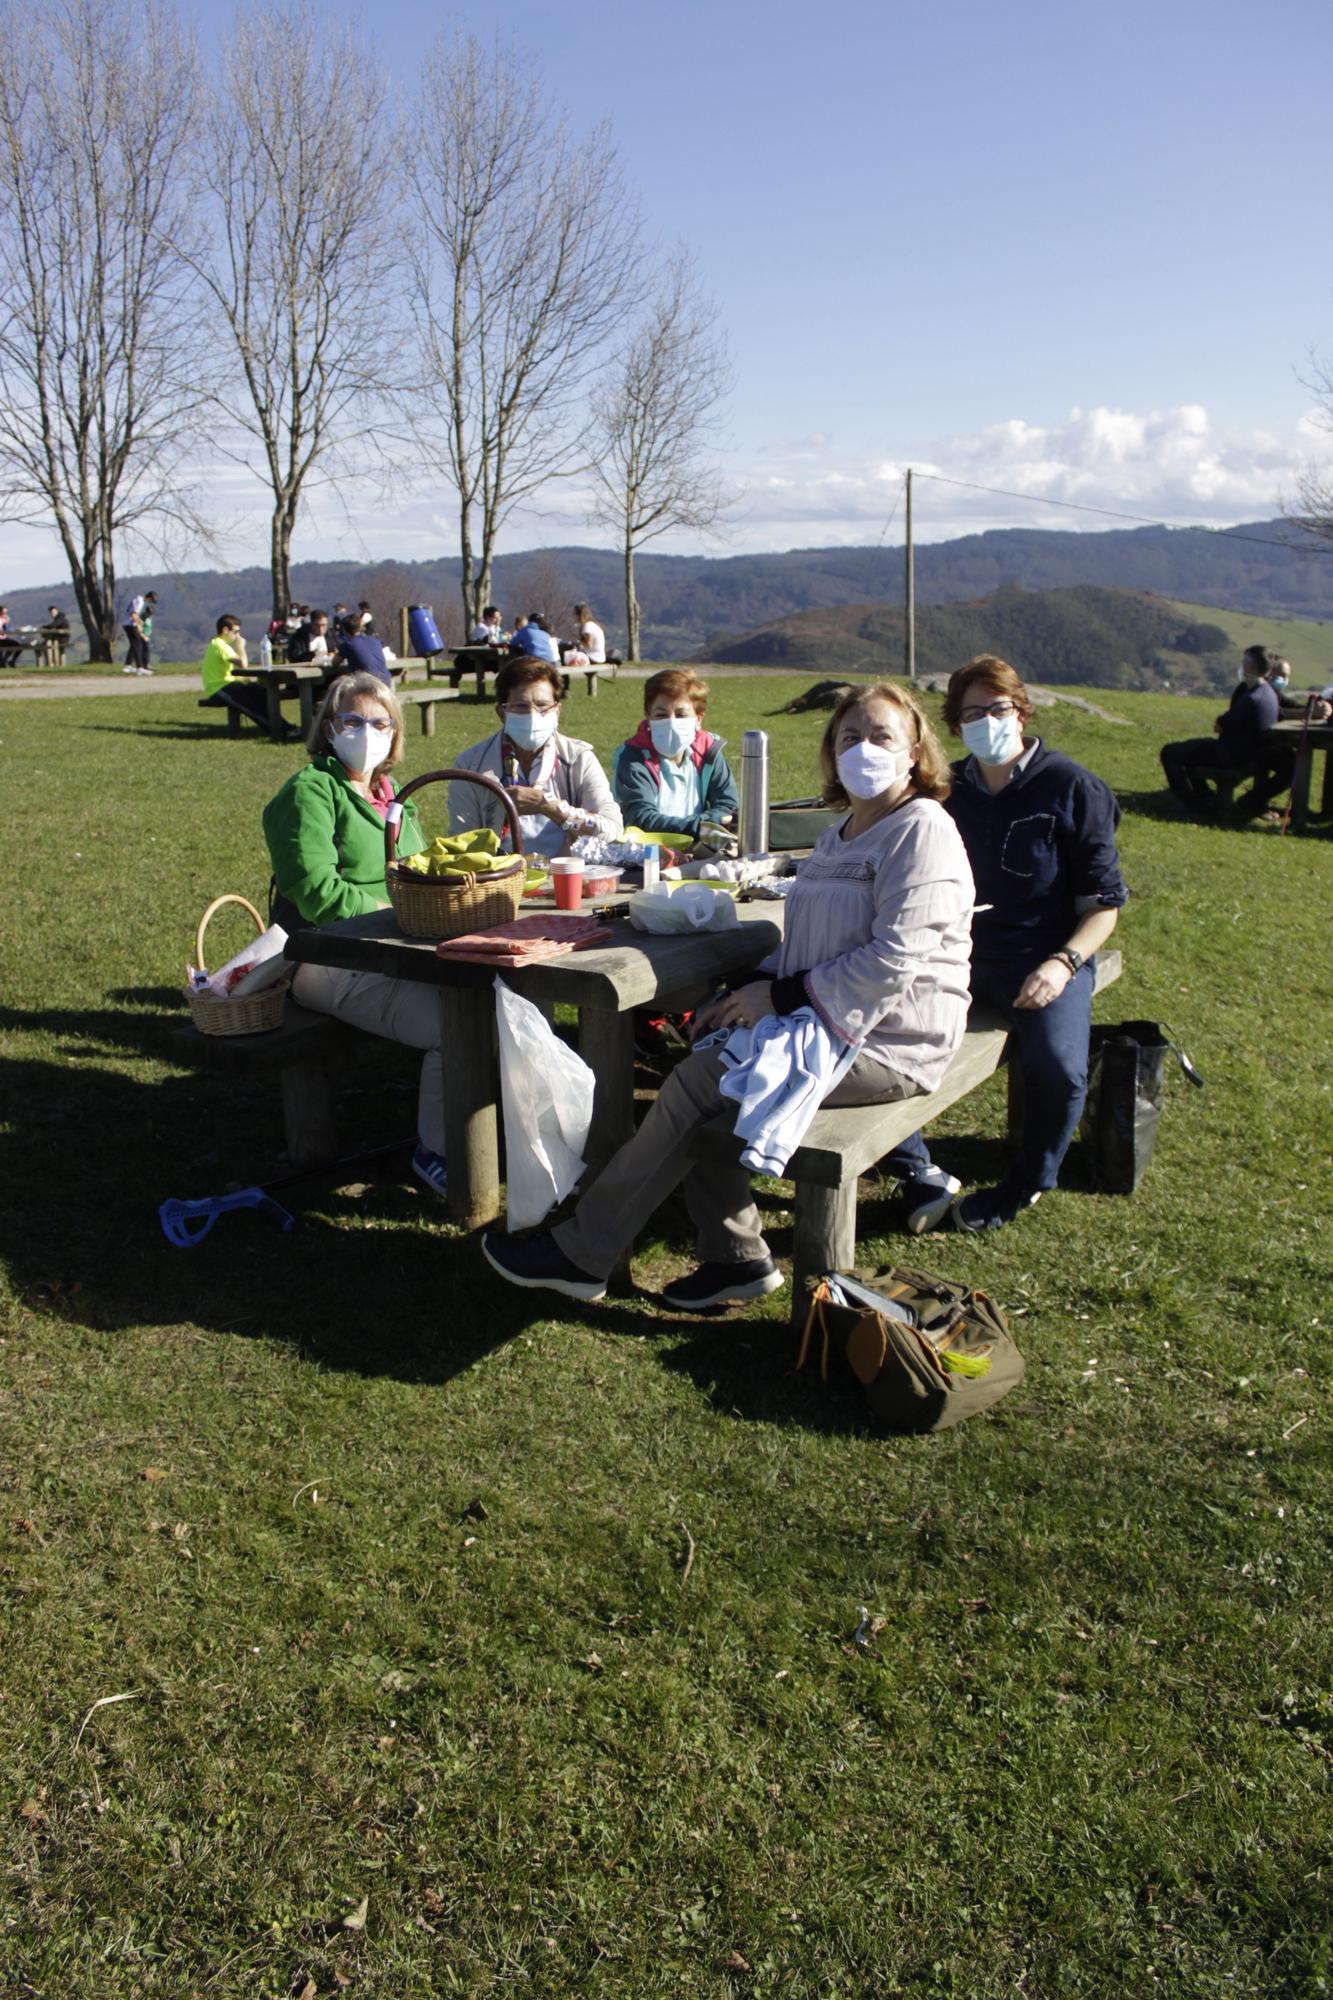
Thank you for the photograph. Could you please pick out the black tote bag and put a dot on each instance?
(1126, 1082)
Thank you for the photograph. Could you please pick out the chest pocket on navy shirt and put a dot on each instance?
(1030, 849)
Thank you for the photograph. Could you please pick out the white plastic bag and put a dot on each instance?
(689, 906)
(546, 1091)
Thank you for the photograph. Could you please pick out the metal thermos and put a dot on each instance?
(754, 792)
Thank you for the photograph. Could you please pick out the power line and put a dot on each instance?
(1112, 513)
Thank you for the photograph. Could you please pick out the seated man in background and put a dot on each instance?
(489, 629)
(1274, 762)
(1236, 741)
(359, 653)
(217, 670)
(55, 635)
(533, 640)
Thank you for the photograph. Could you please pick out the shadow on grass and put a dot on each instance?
(373, 1280)
(186, 732)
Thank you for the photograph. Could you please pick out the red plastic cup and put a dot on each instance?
(567, 881)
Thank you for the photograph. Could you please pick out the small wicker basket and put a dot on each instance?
(451, 905)
(255, 1012)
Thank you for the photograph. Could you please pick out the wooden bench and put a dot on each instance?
(423, 700)
(591, 674)
(843, 1144)
(299, 1051)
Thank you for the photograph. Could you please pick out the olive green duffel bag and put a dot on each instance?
(928, 1352)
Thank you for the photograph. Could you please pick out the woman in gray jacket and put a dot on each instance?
(875, 948)
(558, 787)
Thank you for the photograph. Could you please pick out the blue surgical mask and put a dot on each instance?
(533, 727)
(994, 739)
(1279, 681)
(672, 734)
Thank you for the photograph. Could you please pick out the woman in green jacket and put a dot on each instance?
(325, 834)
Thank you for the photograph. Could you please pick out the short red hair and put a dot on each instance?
(677, 684)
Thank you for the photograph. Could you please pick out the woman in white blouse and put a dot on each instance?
(875, 948)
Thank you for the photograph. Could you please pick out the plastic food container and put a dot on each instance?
(599, 881)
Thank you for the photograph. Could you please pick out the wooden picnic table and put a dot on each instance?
(1316, 736)
(604, 984)
(281, 683)
(478, 660)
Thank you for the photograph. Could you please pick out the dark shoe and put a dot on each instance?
(991, 1208)
(929, 1198)
(722, 1284)
(539, 1263)
(429, 1168)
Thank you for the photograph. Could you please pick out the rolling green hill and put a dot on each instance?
(1087, 635)
(1307, 643)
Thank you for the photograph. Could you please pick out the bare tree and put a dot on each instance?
(527, 260)
(97, 396)
(654, 424)
(1313, 509)
(298, 198)
(538, 582)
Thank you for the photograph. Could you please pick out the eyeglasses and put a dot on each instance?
(351, 717)
(1000, 710)
(529, 708)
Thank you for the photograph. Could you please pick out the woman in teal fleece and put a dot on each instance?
(325, 834)
(671, 775)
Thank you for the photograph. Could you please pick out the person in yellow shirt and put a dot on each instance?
(217, 670)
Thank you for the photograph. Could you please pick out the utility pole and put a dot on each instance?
(911, 587)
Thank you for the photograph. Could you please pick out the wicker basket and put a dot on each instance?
(451, 905)
(253, 1014)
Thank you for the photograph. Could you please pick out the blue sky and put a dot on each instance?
(1077, 250)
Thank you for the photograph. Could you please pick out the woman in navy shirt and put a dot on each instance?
(1040, 834)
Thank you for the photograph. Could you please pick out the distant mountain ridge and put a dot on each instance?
(698, 604)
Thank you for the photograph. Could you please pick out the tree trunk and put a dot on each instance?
(631, 604)
(280, 559)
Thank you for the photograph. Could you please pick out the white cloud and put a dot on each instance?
(1172, 465)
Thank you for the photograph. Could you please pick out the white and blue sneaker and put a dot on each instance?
(929, 1197)
(429, 1169)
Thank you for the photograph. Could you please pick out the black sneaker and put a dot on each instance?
(540, 1264)
(722, 1284)
(991, 1208)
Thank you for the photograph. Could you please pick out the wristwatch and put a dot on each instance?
(1073, 959)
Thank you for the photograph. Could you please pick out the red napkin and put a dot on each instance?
(527, 940)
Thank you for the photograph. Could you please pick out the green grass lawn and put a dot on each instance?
(513, 1743)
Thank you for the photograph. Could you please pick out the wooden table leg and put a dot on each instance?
(471, 1094)
(273, 697)
(1300, 785)
(606, 1043)
(305, 691)
(1326, 801)
(824, 1238)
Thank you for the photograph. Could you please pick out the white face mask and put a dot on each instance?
(529, 731)
(868, 769)
(363, 747)
(672, 734)
(994, 739)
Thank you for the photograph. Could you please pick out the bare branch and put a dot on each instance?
(654, 423)
(297, 202)
(98, 403)
(1312, 512)
(526, 261)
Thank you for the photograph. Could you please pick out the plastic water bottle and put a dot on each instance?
(266, 651)
(652, 866)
